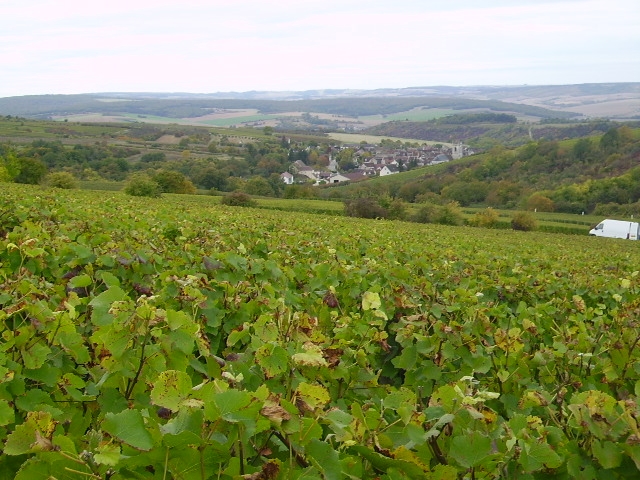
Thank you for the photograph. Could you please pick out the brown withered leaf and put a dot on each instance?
(384, 345)
(332, 356)
(42, 443)
(302, 405)
(275, 413)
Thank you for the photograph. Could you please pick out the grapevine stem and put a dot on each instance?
(166, 464)
(297, 455)
(134, 381)
(91, 475)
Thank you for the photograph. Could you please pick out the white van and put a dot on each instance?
(616, 229)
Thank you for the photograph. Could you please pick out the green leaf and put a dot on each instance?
(470, 449)
(7, 414)
(102, 303)
(128, 427)
(80, 281)
(226, 405)
(383, 463)
(607, 453)
(108, 455)
(273, 359)
(170, 389)
(535, 456)
(176, 319)
(338, 421)
(184, 429)
(36, 355)
(444, 472)
(324, 458)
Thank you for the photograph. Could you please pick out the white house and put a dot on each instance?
(389, 170)
(287, 178)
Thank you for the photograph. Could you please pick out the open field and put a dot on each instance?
(178, 338)
(240, 117)
(376, 139)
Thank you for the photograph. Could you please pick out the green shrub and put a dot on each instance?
(487, 218)
(173, 182)
(31, 171)
(524, 221)
(426, 214)
(364, 208)
(450, 214)
(540, 203)
(397, 210)
(238, 199)
(142, 185)
(61, 180)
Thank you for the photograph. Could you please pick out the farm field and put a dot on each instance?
(179, 338)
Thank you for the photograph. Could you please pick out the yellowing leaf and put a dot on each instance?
(371, 301)
(170, 389)
(314, 395)
(312, 356)
(32, 435)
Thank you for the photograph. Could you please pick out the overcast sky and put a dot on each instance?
(205, 46)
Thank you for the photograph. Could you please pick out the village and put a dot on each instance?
(371, 160)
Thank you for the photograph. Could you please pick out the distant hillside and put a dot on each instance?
(48, 106)
(605, 100)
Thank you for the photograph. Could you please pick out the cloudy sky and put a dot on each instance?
(203, 46)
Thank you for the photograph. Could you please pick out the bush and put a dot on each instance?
(61, 180)
(364, 208)
(32, 171)
(524, 221)
(450, 214)
(397, 210)
(540, 203)
(173, 182)
(426, 214)
(238, 199)
(487, 218)
(142, 185)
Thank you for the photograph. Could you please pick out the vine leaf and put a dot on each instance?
(101, 304)
(314, 396)
(311, 357)
(535, 456)
(128, 427)
(7, 415)
(170, 389)
(325, 458)
(273, 359)
(32, 435)
(471, 449)
(371, 301)
(108, 454)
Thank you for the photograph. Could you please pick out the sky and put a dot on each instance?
(208, 46)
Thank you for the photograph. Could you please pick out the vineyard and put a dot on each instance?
(175, 338)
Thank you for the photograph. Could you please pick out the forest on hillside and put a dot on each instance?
(599, 174)
(482, 131)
